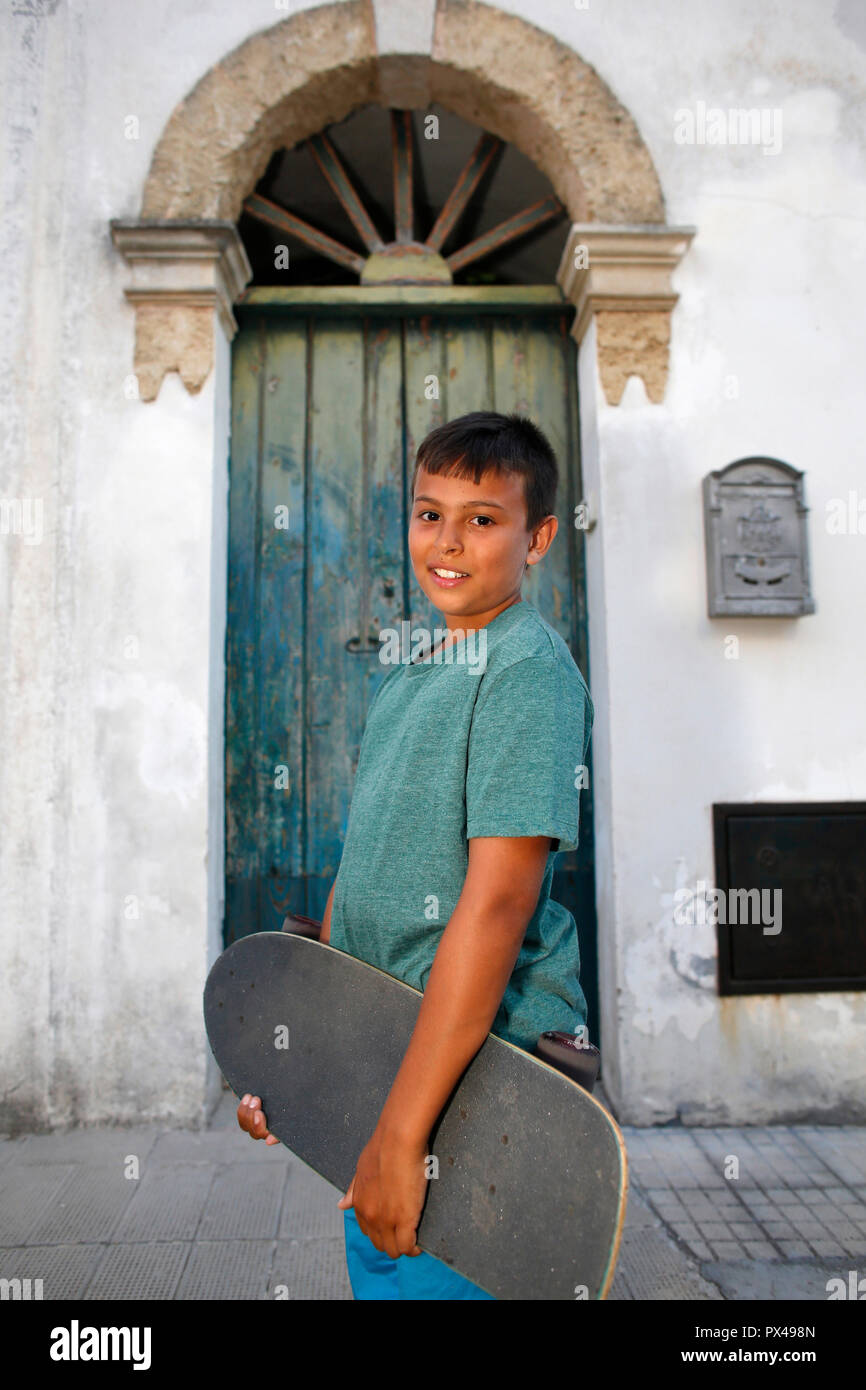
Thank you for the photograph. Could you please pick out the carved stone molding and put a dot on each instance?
(622, 276)
(312, 69)
(182, 274)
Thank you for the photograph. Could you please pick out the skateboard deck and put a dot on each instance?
(532, 1179)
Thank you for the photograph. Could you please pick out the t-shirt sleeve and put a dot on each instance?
(527, 744)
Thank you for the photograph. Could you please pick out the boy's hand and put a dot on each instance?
(251, 1117)
(387, 1193)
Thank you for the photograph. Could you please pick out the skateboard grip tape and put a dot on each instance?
(578, 1061)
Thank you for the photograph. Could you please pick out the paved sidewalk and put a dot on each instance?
(212, 1215)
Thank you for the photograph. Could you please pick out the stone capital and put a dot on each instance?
(183, 272)
(621, 275)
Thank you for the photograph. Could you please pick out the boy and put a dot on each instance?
(464, 793)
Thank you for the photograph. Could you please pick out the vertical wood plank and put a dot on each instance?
(384, 506)
(425, 371)
(242, 863)
(337, 579)
(530, 377)
(280, 617)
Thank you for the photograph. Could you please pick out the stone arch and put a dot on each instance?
(315, 67)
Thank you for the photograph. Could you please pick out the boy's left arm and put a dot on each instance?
(470, 971)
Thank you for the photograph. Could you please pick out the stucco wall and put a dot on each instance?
(766, 359)
(110, 783)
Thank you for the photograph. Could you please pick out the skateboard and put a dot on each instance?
(527, 1172)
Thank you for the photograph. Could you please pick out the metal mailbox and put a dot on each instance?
(756, 541)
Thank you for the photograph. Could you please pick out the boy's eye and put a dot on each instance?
(422, 516)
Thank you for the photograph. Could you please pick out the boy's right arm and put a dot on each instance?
(325, 933)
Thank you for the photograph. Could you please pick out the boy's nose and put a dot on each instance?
(448, 548)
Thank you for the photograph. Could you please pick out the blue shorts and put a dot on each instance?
(373, 1274)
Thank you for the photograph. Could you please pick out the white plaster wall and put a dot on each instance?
(768, 291)
(111, 687)
(110, 782)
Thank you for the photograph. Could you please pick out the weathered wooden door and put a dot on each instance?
(332, 393)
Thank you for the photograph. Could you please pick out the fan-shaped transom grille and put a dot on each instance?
(406, 260)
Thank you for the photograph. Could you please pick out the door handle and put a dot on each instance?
(359, 647)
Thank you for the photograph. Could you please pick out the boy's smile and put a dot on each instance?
(469, 544)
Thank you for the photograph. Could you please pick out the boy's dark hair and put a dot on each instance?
(483, 439)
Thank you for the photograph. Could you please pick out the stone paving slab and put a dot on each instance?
(651, 1265)
(782, 1282)
(220, 1144)
(243, 1203)
(108, 1148)
(168, 1203)
(26, 1193)
(151, 1270)
(65, 1270)
(310, 1206)
(233, 1269)
(765, 1194)
(311, 1269)
(86, 1209)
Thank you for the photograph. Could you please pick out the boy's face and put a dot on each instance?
(478, 530)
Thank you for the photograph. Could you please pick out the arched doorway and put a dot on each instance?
(189, 268)
(335, 383)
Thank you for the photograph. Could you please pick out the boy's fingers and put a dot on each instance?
(406, 1243)
(391, 1249)
(262, 1131)
(244, 1118)
(252, 1119)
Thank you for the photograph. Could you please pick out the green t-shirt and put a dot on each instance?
(469, 743)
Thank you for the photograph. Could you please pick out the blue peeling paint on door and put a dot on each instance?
(327, 413)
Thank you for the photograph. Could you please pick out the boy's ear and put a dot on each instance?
(545, 534)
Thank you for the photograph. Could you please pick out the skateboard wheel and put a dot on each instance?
(578, 1060)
